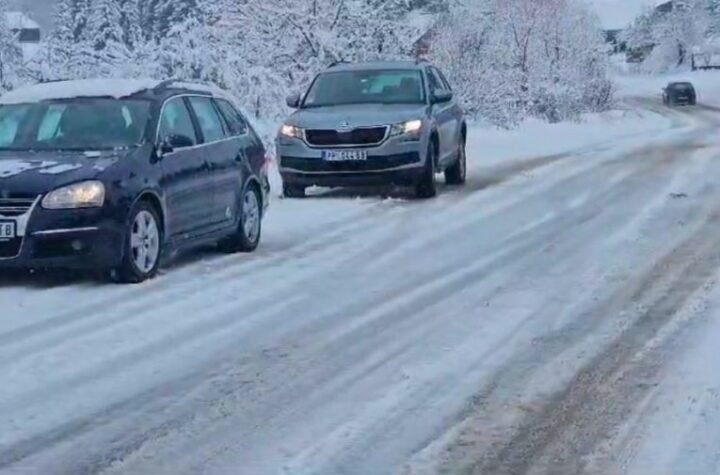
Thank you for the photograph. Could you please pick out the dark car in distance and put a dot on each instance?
(114, 174)
(676, 93)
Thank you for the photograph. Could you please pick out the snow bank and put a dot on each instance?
(116, 88)
(534, 138)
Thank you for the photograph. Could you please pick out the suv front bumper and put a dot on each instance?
(397, 161)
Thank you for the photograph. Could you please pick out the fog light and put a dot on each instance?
(77, 245)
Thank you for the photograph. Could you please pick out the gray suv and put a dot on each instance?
(373, 124)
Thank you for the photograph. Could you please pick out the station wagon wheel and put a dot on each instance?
(142, 247)
(247, 235)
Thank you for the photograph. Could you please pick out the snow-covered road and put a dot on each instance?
(558, 315)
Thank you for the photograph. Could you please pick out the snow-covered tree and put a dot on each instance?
(11, 56)
(510, 58)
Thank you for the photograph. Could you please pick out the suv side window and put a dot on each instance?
(211, 124)
(434, 81)
(235, 120)
(175, 120)
(444, 80)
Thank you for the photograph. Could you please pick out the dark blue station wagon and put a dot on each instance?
(114, 174)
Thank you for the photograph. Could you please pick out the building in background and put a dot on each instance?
(27, 30)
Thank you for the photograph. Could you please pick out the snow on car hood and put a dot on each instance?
(39, 172)
(356, 115)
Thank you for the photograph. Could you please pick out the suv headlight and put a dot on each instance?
(291, 131)
(411, 127)
(86, 194)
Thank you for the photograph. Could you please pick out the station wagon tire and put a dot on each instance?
(291, 190)
(457, 173)
(427, 185)
(143, 245)
(247, 235)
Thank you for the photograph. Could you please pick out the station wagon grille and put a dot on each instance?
(15, 206)
(363, 137)
(10, 249)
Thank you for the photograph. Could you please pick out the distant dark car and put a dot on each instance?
(112, 174)
(676, 93)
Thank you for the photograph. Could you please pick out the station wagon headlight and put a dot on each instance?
(291, 131)
(87, 194)
(411, 127)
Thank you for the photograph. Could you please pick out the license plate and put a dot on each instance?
(7, 230)
(344, 155)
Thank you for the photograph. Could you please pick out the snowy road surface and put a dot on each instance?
(558, 315)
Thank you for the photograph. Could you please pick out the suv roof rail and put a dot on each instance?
(337, 63)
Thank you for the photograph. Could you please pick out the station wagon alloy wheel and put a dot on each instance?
(145, 241)
(251, 215)
(143, 245)
(249, 228)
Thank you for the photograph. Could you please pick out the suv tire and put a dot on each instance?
(456, 174)
(293, 191)
(427, 186)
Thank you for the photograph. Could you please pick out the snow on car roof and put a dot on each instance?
(116, 88)
(20, 21)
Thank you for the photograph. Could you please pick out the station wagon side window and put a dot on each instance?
(176, 120)
(211, 124)
(235, 120)
(10, 119)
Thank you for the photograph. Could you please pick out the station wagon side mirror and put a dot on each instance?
(293, 101)
(440, 96)
(175, 141)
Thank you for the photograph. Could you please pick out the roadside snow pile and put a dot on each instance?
(707, 85)
(535, 138)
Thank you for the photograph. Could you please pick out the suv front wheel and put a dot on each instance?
(427, 186)
(457, 173)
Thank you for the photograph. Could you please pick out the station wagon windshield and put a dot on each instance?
(75, 124)
(366, 87)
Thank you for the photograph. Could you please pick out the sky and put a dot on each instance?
(619, 13)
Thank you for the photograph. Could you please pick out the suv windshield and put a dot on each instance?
(76, 124)
(366, 87)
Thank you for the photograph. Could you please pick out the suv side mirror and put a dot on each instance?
(440, 96)
(293, 101)
(174, 141)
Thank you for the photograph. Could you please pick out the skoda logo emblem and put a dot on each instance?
(344, 126)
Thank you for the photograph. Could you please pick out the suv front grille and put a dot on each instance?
(15, 206)
(366, 136)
